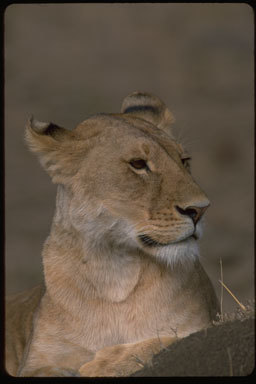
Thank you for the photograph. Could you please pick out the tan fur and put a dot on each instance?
(111, 300)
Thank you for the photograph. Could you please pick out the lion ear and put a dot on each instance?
(150, 108)
(54, 146)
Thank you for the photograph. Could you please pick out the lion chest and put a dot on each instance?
(150, 314)
(162, 308)
(122, 324)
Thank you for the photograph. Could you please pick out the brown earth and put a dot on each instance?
(65, 62)
(224, 350)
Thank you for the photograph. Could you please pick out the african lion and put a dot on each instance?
(121, 267)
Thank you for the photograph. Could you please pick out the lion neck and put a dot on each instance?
(89, 270)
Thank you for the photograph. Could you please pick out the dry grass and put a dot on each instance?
(221, 292)
(232, 294)
(230, 362)
(242, 312)
(247, 312)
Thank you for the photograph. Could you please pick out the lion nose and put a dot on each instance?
(195, 213)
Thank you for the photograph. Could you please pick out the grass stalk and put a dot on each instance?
(221, 290)
(234, 297)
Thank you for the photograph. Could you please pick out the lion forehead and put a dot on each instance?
(117, 129)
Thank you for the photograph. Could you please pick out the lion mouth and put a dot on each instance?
(149, 242)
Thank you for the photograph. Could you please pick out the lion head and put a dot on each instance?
(124, 181)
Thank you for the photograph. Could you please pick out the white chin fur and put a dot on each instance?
(183, 252)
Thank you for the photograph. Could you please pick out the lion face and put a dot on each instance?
(127, 179)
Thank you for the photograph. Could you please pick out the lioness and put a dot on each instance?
(122, 275)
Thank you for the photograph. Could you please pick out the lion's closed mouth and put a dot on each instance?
(149, 242)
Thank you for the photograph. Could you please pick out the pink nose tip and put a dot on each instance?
(195, 213)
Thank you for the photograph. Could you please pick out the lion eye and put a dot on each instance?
(139, 164)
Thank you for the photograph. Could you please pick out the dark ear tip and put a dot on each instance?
(38, 126)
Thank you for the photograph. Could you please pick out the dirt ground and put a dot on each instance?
(224, 350)
(65, 62)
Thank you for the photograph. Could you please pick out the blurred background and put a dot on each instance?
(65, 62)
